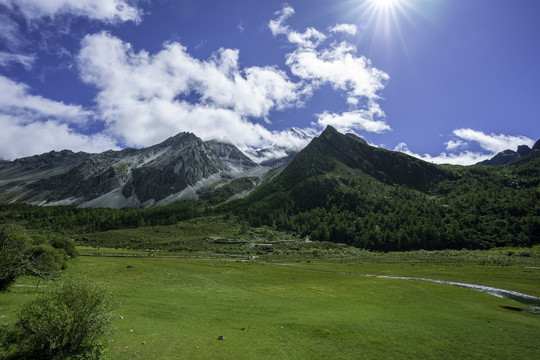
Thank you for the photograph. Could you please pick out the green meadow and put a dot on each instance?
(171, 308)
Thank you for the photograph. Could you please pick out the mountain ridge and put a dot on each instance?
(506, 156)
(186, 167)
(356, 153)
(128, 177)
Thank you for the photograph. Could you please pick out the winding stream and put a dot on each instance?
(532, 302)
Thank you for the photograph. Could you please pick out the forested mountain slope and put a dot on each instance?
(343, 190)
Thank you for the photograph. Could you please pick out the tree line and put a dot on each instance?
(480, 210)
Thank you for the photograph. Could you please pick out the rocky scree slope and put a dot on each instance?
(160, 174)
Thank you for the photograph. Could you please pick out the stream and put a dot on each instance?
(532, 302)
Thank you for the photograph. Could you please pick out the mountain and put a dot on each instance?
(536, 146)
(174, 169)
(506, 156)
(334, 162)
(333, 150)
(502, 158)
(341, 189)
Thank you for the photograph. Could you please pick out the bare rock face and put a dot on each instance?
(523, 150)
(230, 154)
(130, 177)
(186, 161)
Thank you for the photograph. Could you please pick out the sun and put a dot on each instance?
(385, 5)
(388, 24)
(389, 9)
(386, 13)
(385, 22)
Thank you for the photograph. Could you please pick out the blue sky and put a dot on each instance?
(448, 81)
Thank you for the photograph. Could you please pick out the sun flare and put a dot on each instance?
(386, 13)
(385, 20)
(385, 4)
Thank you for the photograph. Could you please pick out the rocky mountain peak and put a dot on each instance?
(524, 150)
(506, 156)
(329, 131)
(179, 140)
(502, 158)
(168, 171)
(333, 150)
(300, 133)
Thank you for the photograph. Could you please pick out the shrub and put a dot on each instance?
(46, 260)
(13, 242)
(70, 321)
(19, 253)
(66, 244)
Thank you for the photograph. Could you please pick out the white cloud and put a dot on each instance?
(310, 38)
(283, 142)
(276, 26)
(344, 28)
(18, 139)
(349, 121)
(10, 33)
(109, 11)
(452, 145)
(462, 158)
(337, 65)
(25, 60)
(33, 124)
(144, 98)
(31, 13)
(241, 26)
(17, 100)
(492, 142)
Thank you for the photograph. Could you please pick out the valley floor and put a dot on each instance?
(177, 308)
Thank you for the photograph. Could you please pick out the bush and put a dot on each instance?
(70, 321)
(65, 244)
(46, 260)
(13, 242)
(37, 257)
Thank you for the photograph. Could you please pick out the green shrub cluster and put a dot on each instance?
(41, 256)
(70, 321)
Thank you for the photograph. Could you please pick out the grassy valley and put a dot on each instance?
(177, 308)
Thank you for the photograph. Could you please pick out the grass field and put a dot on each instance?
(179, 307)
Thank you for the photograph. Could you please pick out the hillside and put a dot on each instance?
(343, 190)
